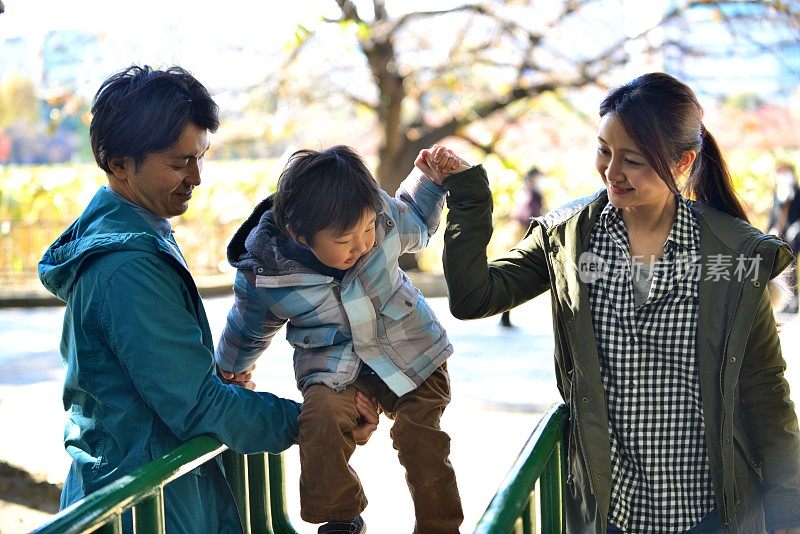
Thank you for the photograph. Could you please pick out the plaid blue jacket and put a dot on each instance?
(373, 315)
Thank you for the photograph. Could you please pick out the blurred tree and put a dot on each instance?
(423, 76)
(18, 102)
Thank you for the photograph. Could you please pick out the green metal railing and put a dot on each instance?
(513, 508)
(257, 481)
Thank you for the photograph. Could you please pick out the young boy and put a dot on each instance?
(321, 254)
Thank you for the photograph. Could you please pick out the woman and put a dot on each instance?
(667, 352)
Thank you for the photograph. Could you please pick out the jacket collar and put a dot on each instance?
(107, 225)
(161, 225)
(719, 231)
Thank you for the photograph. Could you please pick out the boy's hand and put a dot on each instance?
(439, 162)
(368, 410)
(238, 379)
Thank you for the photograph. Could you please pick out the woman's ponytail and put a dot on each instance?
(710, 182)
(663, 117)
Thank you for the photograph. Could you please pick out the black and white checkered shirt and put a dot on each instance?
(661, 480)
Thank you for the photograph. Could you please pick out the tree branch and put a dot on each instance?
(349, 10)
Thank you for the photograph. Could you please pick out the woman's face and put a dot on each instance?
(631, 181)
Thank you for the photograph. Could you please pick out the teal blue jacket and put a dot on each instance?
(140, 374)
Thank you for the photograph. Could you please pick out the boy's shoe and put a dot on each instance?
(354, 526)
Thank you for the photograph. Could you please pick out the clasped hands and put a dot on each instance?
(439, 162)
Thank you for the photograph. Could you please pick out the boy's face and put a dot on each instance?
(342, 250)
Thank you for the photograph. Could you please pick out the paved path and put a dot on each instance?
(502, 380)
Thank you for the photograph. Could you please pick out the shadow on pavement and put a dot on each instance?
(18, 486)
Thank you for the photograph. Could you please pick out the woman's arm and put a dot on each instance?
(476, 287)
(772, 420)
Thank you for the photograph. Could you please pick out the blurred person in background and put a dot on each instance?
(784, 222)
(528, 204)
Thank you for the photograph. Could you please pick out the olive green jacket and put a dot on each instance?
(751, 425)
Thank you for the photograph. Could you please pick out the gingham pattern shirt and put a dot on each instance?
(661, 479)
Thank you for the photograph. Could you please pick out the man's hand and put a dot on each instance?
(368, 410)
(793, 530)
(238, 379)
(439, 162)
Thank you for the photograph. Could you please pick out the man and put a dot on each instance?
(136, 342)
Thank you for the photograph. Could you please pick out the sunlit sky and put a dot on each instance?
(244, 20)
(223, 43)
(234, 43)
(162, 32)
(233, 17)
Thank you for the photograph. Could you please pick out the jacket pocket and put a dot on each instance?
(312, 338)
(408, 330)
(401, 304)
(320, 350)
(742, 444)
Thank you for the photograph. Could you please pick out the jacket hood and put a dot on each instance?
(740, 236)
(253, 243)
(107, 225)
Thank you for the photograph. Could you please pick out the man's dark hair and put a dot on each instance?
(328, 189)
(139, 110)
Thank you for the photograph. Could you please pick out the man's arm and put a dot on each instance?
(160, 345)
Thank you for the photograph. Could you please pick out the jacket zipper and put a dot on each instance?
(574, 433)
(726, 516)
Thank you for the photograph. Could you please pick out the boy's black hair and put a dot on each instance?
(328, 189)
(139, 110)
(320, 190)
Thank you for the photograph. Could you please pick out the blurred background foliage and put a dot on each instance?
(507, 83)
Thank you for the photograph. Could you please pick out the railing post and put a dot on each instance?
(516, 498)
(529, 516)
(148, 515)
(236, 473)
(112, 526)
(260, 513)
(277, 496)
(550, 484)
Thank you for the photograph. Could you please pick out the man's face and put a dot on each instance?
(164, 182)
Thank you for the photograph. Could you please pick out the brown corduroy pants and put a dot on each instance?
(329, 488)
